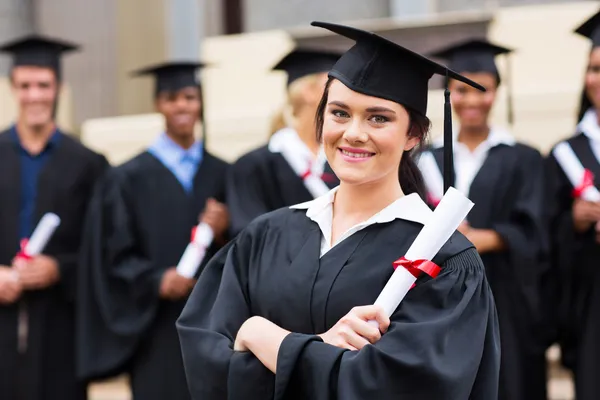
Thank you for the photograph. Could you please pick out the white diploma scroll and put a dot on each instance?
(432, 176)
(574, 171)
(41, 235)
(195, 251)
(287, 142)
(451, 211)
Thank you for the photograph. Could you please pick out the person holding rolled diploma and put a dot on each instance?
(286, 310)
(44, 171)
(504, 178)
(141, 221)
(573, 206)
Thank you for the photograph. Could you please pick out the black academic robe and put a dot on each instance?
(442, 343)
(139, 225)
(509, 197)
(262, 181)
(576, 295)
(47, 369)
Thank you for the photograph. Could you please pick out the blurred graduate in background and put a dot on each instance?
(140, 223)
(292, 167)
(575, 229)
(504, 179)
(43, 170)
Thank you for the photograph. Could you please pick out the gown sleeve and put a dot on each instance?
(118, 285)
(524, 231)
(442, 344)
(247, 194)
(207, 328)
(68, 263)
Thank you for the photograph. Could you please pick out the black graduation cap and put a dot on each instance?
(39, 51)
(173, 76)
(302, 62)
(591, 29)
(476, 55)
(378, 67)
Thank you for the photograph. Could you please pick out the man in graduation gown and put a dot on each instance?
(141, 219)
(43, 170)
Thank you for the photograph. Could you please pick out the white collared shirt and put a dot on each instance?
(467, 163)
(410, 208)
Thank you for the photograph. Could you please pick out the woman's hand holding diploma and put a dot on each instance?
(353, 330)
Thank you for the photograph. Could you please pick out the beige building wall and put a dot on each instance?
(141, 33)
(91, 72)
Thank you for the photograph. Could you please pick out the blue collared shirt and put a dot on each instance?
(183, 163)
(31, 166)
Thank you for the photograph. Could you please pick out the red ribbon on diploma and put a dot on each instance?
(432, 200)
(418, 267)
(305, 174)
(586, 182)
(193, 237)
(22, 254)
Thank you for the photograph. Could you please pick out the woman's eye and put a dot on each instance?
(595, 69)
(379, 119)
(340, 113)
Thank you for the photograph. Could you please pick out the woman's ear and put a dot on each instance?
(411, 143)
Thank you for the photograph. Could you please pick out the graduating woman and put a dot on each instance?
(576, 232)
(282, 312)
(141, 216)
(292, 168)
(504, 179)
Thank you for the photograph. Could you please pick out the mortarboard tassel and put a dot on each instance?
(509, 97)
(448, 140)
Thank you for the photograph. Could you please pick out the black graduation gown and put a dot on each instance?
(262, 181)
(575, 268)
(442, 343)
(47, 370)
(509, 196)
(139, 225)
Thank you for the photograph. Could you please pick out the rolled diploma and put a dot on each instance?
(574, 170)
(314, 184)
(195, 251)
(452, 210)
(432, 175)
(42, 234)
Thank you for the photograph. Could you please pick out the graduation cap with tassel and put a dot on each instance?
(377, 67)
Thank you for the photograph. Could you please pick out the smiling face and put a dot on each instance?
(181, 110)
(364, 137)
(592, 78)
(472, 106)
(35, 90)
